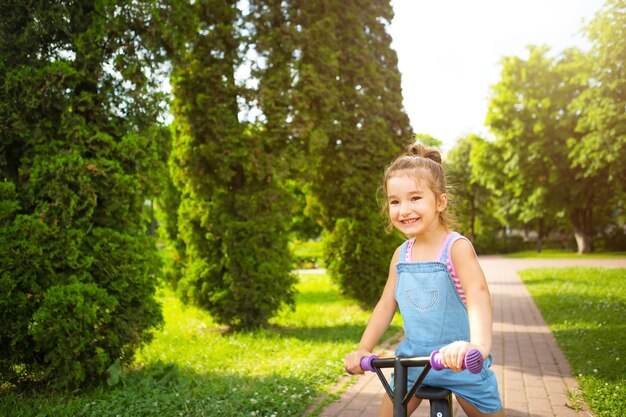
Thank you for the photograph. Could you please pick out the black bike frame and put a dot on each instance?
(401, 395)
(440, 398)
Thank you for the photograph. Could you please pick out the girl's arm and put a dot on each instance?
(379, 321)
(478, 302)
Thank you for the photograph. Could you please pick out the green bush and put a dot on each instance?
(358, 254)
(74, 295)
(491, 244)
(613, 239)
(79, 157)
(78, 344)
(239, 264)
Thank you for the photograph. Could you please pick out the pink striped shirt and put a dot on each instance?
(448, 261)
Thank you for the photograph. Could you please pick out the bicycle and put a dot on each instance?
(440, 399)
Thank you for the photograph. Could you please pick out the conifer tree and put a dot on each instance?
(78, 144)
(232, 211)
(349, 118)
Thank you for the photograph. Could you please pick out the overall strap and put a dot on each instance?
(445, 248)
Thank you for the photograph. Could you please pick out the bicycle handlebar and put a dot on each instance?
(366, 363)
(473, 361)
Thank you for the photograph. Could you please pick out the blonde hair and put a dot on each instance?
(424, 163)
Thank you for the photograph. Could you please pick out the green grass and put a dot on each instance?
(311, 248)
(308, 254)
(192, 368)
(585, 309)
(554, 254)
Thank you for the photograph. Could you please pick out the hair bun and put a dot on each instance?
(417, 149)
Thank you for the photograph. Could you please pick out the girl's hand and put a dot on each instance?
(352, 362)
(453, 354)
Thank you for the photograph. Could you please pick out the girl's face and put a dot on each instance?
(413, 206)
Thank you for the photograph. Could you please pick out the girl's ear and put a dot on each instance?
(442, 202)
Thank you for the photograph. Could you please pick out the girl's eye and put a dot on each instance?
(393, 202)
(415, 198)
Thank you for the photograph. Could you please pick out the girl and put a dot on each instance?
(436, 281)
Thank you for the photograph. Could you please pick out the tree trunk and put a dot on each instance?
(583, 241)
(581, 219)
(540, 233)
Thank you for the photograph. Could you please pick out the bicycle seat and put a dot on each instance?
(426, 392)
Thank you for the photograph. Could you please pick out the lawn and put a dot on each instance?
(585, 309)
(193, 368)
(308, 254)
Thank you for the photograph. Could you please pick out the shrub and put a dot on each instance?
(77, 345)
(78, 157)
(358, 254)
(239, 264)
(64, 258)
(613, 239)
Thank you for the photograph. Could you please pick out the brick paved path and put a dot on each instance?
(533, 374)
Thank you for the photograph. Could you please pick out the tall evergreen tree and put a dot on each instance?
(78, 144)
(232, 216)
(349, 119)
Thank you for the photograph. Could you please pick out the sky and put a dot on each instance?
(449, 53)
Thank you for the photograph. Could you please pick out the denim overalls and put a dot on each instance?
(434, 315)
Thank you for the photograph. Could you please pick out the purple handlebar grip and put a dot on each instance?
(473, 361)
(366, 363)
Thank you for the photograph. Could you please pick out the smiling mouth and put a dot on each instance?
(409, 221)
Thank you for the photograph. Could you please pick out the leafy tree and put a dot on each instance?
(472, 203)
(78, 144)
(602, 149)
(233, 209)
(603, 119)
(520, 113)
(535, 128)
(349, 120)
(428, 140)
